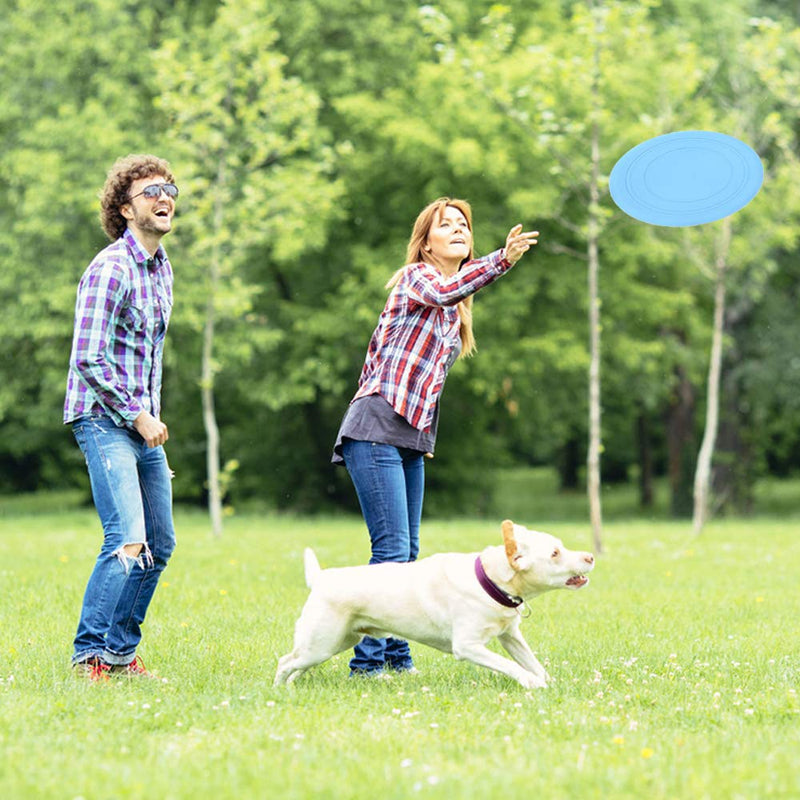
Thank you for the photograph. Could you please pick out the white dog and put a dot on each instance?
(455, 602)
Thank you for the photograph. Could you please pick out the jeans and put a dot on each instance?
(390, 484)
(132, 491)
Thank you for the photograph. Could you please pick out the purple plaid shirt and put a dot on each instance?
(121, 317)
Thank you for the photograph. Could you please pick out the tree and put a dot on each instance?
(75, 90)
(753, 104)
(580, 91)
(257, 167)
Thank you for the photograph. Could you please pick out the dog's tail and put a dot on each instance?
(312, 566)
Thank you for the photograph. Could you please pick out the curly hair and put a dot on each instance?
(125, 171)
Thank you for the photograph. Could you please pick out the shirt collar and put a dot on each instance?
(140, 254)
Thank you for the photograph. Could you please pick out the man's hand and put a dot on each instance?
(152, 430)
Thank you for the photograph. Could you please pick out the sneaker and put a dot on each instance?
(406, 667)
(135, 669)
(94, 669)
(375, 674)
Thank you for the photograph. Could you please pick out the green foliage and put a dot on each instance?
(306, 136)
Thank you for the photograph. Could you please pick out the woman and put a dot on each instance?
(391, 422)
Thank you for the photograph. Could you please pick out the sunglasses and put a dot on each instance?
(154, 190)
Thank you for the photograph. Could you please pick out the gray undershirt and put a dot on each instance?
(372, 419)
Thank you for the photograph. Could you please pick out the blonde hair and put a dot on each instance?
(415, 254)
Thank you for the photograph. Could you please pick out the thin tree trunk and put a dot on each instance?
(702, 478)
(645, 450)
(208, 375)
(593, 458)
(210, 423)
(680, 444)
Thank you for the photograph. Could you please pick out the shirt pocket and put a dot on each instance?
(138, 318)
(447, 324)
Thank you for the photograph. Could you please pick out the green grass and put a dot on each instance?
(676, 674)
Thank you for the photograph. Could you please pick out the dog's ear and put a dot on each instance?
(510, 542)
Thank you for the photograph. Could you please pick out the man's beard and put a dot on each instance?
(148, 223)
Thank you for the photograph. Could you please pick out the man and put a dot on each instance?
(114, 404)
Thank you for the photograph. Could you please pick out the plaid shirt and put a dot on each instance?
(121, 317)
(417, 329)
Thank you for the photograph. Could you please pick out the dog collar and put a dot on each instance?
(493, 590)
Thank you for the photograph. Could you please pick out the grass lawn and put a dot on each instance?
(676, 673)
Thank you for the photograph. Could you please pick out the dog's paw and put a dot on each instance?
(531, 681)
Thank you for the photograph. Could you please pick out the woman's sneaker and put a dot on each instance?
(135, 669)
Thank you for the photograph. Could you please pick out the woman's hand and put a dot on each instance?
(518, 242)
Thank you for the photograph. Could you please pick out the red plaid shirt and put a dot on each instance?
(417, 329)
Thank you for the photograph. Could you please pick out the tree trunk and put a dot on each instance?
(645, 449)
(569, 461)
(680, 447)
(593, 458)
(210, 423)
(702, 479)
(208, 373)
(732, 477)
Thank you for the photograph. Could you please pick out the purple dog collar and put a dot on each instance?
(493, 590)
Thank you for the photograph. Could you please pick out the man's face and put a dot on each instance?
(149, 215)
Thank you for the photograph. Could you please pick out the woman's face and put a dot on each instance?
(449, 239)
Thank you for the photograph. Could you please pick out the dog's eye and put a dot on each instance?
(556, 553)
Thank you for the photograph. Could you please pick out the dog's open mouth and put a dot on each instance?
(577, 581)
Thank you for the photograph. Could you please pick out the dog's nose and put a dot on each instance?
(589, 559)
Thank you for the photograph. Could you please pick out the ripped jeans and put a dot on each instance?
(132, 491)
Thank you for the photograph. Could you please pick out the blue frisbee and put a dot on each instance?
(686, 178)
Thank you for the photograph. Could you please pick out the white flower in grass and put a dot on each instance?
(406, 763)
